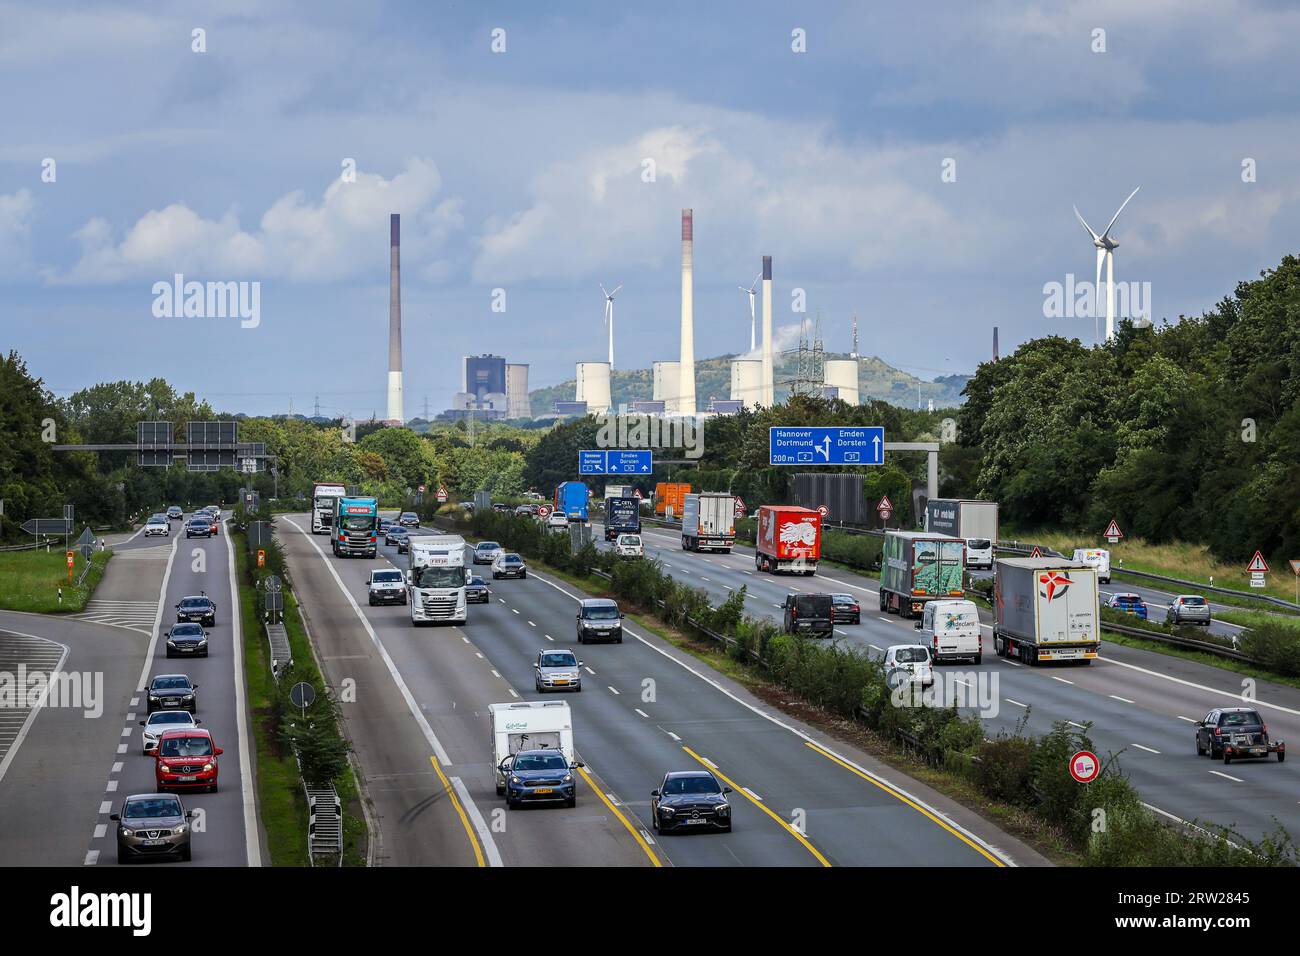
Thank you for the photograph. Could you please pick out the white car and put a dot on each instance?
(629, 546)
(909, 663)
(533, 496)
(158, 524)
(556, 521)
(161, 721)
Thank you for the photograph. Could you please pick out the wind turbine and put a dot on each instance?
(609, 320)
(753, 342)
(1106, 253)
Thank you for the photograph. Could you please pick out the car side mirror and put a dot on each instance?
(189, 814)
(115, 816)
(726, 790)
(219, 751)
(580, 663)
(621, 615)
(575, 766)
(578, 617)
(653, 793)
(537, 667)
(916, 626)
(197, 721)
(142, 723)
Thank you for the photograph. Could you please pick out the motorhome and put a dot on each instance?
(528, 725)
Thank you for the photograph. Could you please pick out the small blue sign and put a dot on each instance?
(826, 446)
(616, 461)
(591, 462)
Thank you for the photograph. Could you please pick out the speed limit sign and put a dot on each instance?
(1084, 766)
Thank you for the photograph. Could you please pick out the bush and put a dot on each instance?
(855, 550)
(1275, 646)
(1003, 770)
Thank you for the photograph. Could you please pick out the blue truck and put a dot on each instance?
(355, 528)
(571, 500)
(622, 516)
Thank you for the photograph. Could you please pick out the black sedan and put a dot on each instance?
(187, 640)
(690, 800)
(477, 591)
(172, 692)
(199, 608)
(1236, 733)
(198, 527)
(845, 609)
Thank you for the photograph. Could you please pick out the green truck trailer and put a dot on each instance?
(918, 566)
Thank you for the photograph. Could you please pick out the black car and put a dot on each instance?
(539, 776)
(509, 565)
(477, 591)
(1236, 733)
(200, 527)
(199, 608)
(502, 507)
(409, 519)
(845, 609)
(174, 513)
(690, 800)
(809, 614)
(172, 692)
(187, 640)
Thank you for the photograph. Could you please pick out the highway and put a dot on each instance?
(801, 799)
(1141, 704)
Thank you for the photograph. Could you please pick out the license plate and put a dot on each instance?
(152, 842)
(542, 790)
(190, 779)
(559, 682)
(694, 821)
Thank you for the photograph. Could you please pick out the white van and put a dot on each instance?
(528, 725)
(979, 553)
(952, 629)
(1096, 558)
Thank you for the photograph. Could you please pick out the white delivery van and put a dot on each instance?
(528, 725)
(1096, 558)
(952, 629)
(979, 553)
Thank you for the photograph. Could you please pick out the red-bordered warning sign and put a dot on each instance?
(823, 511)
(1112, 531)
(1035, 553)
(885, 509)
(1257, 564)
(1084, 766)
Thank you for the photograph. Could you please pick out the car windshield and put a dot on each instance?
(629, 539)
(700, 784)
(151, 807)
(387, 577)
(842, 598)
(185, 747)
(406, 515)
(199, 522)
(187, 630)
(1239, 718)
(1193, 601)
(396, 531)
(488, 546)
(553, 761)
(912, 655)
(475, 580)
(171, 683)
(170, 717)
(600, 613)
(157, 519)
(511, 559)
(559, 659)
(194, 602)
(450, 577)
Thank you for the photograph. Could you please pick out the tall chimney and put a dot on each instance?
(995, 343)
(686, 367)
(769, 390)
(395, 319)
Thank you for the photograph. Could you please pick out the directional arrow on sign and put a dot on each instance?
(47, 526)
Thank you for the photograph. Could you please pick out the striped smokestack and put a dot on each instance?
(769, 389)
(686, 367)
(395, 319)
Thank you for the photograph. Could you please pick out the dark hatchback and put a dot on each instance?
(172, 692)
(199, 608)
(690, 800)
(845, 609)
(477, 590)
(509, 566)
(409, 519)
(198, 528)
(1236, 733)
(539, 776)
(187, 640)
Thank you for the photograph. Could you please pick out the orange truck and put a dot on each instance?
(671, 494)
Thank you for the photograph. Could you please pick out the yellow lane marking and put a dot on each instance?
(636, 834)
(911, 803)
(455, 802)
(737, 788)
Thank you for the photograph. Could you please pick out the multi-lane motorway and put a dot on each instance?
(419, 726)
(1139, 704)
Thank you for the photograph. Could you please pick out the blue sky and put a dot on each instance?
(522, 171)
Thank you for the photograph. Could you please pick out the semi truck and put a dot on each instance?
(436, 579)
(571, 500)
(916, 567)
(708, 521)
(355, 527)
(975, 522)
(528, 725)
(622, 516)
(788, 538)
(1046, 609)
(323, 495)
(670, 495)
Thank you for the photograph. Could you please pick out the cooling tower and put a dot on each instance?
(517, 403)
(665, 384)
(769, 387)
(843, 375)
(747, 382)
(395, 319)
(593, 386)
(686, 367)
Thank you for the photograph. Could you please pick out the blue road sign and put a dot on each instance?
(616, 461)
(826, 446)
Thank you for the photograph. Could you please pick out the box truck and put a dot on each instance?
(1096, 558)
(528, 725)
(917, 567)
(622, 516)
(788, 538)
(1045, 609)
(323, 495)
(571, 500)
(976, 522)
(436, 579)
(355, 527)
(708, 521)
(670, 494)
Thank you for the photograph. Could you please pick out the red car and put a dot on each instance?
(186, 760)
(216, 524)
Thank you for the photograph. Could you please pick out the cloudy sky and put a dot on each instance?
(526, 170)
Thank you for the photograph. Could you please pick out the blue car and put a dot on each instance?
(540, 776)
(1129, 604)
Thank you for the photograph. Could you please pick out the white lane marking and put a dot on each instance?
(727, 586)
(121, 748)
(464, 638)
(881, 617)
(1188, 719)
(105, 807)
(1123, 700)
(100, 830)
(117, 768)
(1016, 702)
(589, 670)
(1150, 750)
(752, 794)
(515, 609)
(1075, 723)
(531, 624)
(484, 834)
(672, 735)
(1012, 663)
(130, 717)
(479, 655)
(549, 638)
(135, 701)
(1226, 776)
(513, 692)
(648, 838)
(112, 787)
(642, 713)
(709, 762)
(1061, 679)
(839, 631)
(494, 673)
(705, 579)
(875, 647)
(126, 732)
(1212, 690)
(613, 799)
(747, 572)
(92, 857)
(613, 691)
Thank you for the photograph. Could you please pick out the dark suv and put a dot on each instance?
(690, 800)
(199, 608)
(1236, 733)
(599, 619)
(810, 614)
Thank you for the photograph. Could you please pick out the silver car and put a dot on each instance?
(152, 825)
(161, 721)
(1189, 609)
(485, 552)
(558, 670)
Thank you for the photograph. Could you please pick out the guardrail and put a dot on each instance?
(1188, 642)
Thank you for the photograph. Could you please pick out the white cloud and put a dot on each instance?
(15, 232)
(341, 236)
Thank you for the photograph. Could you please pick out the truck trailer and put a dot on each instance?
(670, 495)
(528, 725)
(788, 538)
(571, 500)
(622, 516)
(323, 495)
(916, 567)
(1046, 609)
(708, 521)
(974, 521)
(436, 579)
(355, 527)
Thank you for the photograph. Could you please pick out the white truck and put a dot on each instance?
(974, 521)
(435, 579)
(529, 725)
(323, 496)
(1046, 609)
(708, 521)
(1096, 558)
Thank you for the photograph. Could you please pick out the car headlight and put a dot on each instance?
(667, 811)
(153, 696)
(188, 697)
(209, 767)
(723, 809)
(170, 642)
(568, 778)
(202, 641)
(180, 829)
(515, 780)
(126, 832)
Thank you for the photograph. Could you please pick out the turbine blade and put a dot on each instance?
(615, 292)
(602, 290)
(1118, 211)
(1095, 237)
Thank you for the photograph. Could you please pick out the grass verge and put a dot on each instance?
(31, 581)
(1200, 657)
